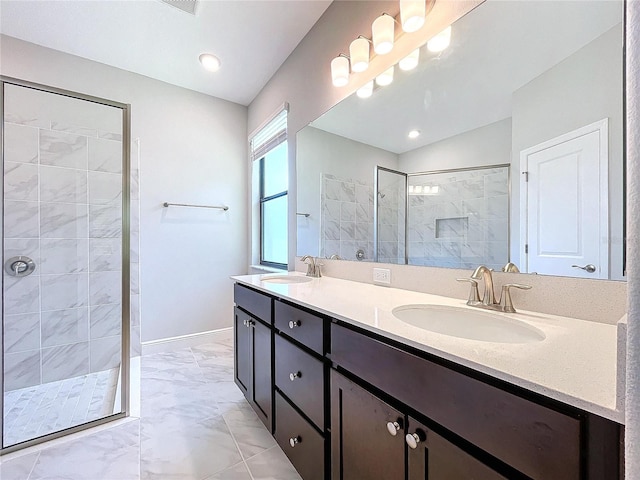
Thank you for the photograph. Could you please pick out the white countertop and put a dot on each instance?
(575, 363)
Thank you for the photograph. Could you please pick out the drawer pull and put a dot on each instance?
(293, 376)
(293, 324)
(393, 428)
(293, 441)
(413, 439)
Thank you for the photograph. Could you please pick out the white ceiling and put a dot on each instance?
(251, 38)
(496, 49)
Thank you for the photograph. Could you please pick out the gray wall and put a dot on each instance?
(487, 145)
(580, 90)
(193, 149)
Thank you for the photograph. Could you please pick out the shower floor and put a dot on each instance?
(35, 411)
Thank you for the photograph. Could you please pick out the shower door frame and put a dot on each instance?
(376, 191)
(126, 257)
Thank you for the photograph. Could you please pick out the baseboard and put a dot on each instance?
(184, 341)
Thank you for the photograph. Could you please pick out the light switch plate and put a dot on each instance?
(382, 276)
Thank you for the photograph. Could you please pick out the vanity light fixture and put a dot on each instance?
(210, 62)
(385, 78)
(340, 70)
(410, 61)
(441, 41)
(412, 15)
(366, 90)
(414, 134)
(359, 53)
(383, 31)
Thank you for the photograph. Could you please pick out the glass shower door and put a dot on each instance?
(63, 264)
(390, 212)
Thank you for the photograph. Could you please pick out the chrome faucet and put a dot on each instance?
(488, 298)
(313, 267)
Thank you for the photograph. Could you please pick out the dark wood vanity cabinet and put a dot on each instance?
(253, 351)
(351, 405)
(369, 439)
(301, 391)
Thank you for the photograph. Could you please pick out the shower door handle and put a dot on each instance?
(19, 266)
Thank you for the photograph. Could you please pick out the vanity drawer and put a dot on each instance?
(255, 303)
(538, 441)
(308, 454)
(300, 325)
(306, 389)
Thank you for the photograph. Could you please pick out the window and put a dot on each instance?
(273, 207)
(269, 154)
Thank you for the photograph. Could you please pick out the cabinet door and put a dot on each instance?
(262, 380)
(367, 435)
(243, 368)
(431, 457)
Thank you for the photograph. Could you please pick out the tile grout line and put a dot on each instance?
(33, 467)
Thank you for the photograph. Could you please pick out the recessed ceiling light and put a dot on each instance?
(414, 133)
(210, 62)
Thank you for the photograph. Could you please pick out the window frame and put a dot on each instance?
(262, 201)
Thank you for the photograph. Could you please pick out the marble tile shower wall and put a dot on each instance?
(63, 201)
(346, 224)
(465, 224)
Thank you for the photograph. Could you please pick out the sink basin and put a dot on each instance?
(285, 279)
(470, 324)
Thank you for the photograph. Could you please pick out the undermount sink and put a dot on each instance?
(466, 323)
(285, 279)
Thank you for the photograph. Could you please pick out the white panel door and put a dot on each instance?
(565, 190)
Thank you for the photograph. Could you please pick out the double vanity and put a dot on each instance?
(358, 381)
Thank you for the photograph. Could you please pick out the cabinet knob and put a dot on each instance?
(293, 324)
(293, 441)
(248, 323)
(393, 428)
(413, 439)
(293, 376)
(244, 322)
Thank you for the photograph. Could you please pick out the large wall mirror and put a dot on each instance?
(516, 152)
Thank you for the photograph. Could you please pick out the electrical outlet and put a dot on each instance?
(382, 276)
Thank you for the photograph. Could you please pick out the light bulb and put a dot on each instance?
(359, 53)
(410, 61)
(340, 71)
(440, 41)
(383, 34)
(366, 90)
(414, 134)
(385, 78)
(412, 14)
(209, 62)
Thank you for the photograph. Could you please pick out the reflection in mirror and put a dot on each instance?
(459, 218)
(536, 86)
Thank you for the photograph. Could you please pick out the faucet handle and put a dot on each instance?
(318, 268)
(505, 298)
(474, 295)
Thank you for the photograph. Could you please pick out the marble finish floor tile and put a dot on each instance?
(195, 424)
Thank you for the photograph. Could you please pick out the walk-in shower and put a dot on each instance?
(66, 270)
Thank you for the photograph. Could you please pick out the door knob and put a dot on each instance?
(413, 439)
(589, 268)
(393, 428)
(293, 441)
